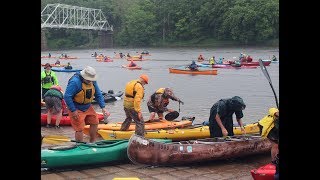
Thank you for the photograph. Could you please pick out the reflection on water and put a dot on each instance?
(198, 92)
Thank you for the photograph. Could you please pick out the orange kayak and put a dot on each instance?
(135, 67)
(137, 59)
(187, 71)
(69, 57)
(55, 65)
(162, 124)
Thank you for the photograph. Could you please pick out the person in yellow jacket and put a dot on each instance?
(269, 128)
(134, 93)
(48, 79)
(212, 60)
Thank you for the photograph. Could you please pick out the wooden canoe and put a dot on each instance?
(162, 124)
(148, 152)
(187, 71)
(177, 134)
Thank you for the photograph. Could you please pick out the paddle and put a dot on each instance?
(172, 115)
(266, 74)
(58, 139)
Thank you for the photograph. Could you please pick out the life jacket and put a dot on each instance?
(159, 91)
(211, 61)
(86, 94)
(268, 122)
(130, 89)
(48, 79)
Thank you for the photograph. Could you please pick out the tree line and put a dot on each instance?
(139, 23)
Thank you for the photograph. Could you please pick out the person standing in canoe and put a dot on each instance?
(81, 89)
(134, 93)
(55, 104)
(158, 102)
(48, 78)
(221, 121)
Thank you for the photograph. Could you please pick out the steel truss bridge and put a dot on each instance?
(75, 17)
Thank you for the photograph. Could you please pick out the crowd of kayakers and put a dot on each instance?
(83, 87)
(243, 58)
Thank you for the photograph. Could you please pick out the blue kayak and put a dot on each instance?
(62, 69)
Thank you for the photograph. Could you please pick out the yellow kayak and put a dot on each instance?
(177, 134)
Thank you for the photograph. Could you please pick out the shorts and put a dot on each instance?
(152, 109)
(87, 117)
(53, 104)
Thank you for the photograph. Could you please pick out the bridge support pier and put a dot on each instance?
(105, 39)
(44, 45)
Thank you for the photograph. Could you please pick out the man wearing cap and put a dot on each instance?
(81, 89)
(48, 78)
(158, 102)
(221, 121)
(134, 93)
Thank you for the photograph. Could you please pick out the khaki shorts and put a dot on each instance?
(85, 118)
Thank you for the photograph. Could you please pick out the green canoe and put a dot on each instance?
(86, 154)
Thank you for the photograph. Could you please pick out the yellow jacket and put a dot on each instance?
(268, 122)
(134, 93)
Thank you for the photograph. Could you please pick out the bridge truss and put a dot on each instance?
(75, 17)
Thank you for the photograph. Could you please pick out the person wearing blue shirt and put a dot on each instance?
(193, 66)
(82, 88)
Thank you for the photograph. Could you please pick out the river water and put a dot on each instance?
(198, 92)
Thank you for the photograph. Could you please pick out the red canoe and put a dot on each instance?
(65, 121)
(265, 172)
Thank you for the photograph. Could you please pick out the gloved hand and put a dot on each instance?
(181, 102)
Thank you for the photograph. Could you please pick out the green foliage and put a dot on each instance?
(164, 22)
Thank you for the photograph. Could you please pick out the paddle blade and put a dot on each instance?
(172, 115)
(264, 70)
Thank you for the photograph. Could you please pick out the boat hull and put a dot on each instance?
(199, 72)
(131, 68)
(265, 172)
(177, 134)
(145, 151)
(162, 124)
(84, 154)
(101, 152)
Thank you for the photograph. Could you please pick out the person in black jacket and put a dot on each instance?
(221, 121)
